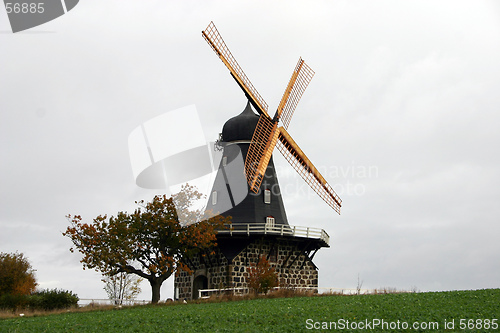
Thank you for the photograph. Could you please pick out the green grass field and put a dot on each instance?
(467, 311)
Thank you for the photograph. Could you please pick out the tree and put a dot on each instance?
(17, 277)
(122, 286)
(150, 242)
(262, 277)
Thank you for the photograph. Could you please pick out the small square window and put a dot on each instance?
(214, 198)
(267, 196)
(269, 222)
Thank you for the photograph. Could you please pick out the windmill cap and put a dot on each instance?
(240, 127)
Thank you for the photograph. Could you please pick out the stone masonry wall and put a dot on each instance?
(293, 267)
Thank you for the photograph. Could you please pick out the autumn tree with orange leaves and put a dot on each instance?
(17, 277)
(261, 276)
(151, 242)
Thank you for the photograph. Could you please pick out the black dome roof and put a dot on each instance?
(240, 127)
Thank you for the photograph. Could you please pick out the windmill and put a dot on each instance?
(246, 188)
(267, 134)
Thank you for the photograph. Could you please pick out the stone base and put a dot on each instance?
(288, 257)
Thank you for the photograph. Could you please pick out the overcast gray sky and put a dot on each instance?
(402, 117)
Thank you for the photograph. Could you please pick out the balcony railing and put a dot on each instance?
(282, 230)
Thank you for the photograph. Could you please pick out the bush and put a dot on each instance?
(262, 277)
(54, 299)
(42, 300)
(14, 302)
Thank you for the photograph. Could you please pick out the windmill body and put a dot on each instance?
(231, 195)
(246, 188)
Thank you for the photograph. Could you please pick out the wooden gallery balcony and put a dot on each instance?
(256, 229)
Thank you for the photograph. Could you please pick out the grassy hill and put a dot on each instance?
(456, 311)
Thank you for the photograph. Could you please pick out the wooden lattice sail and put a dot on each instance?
(304, 167)
(214, 39)
(298, 83)
(260, 151)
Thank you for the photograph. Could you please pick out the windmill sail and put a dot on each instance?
(299, 81)
(260, 151)
(304, 167)
(266, 134)
(212, 36)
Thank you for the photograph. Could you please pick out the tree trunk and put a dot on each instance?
(155, 289)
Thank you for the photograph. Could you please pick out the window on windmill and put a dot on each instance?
(224, 161)
(267, 196)
(272, 254)
(269, 222)
(214, 198)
